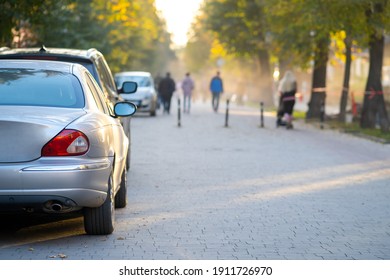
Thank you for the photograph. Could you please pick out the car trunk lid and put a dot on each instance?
(25, 130)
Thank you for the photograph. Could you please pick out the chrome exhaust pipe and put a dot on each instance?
(56, 207)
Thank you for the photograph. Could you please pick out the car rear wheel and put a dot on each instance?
(128, 159)
(121, 195)
(100, 220)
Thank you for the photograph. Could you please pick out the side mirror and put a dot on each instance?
(128, 87)
(124, 109)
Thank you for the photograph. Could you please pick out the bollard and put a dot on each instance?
(261, 114)
(178, 113)
(322, 115)
(227, 113)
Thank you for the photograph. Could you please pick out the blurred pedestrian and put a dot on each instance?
(287, 89)
(157, 81)
(216, 88)
(187, 86)
(166, 88)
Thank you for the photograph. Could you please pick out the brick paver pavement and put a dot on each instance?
(203, 191)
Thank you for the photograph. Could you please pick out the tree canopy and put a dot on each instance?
(131, 34)
(266, 34)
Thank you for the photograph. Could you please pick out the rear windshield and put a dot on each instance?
(31, 87)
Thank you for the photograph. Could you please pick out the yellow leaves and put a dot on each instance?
(337, 47)
(120, 7)
(134, 31)
(338, 40)
(123, 12)
(217, 50)
(151, 28)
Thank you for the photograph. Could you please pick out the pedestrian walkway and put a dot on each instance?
(203, 191)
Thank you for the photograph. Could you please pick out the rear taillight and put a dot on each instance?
(67, 143)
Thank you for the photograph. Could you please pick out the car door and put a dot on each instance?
(109, 87)
(119, 142)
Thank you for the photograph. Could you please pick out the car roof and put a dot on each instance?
(134, 73)
(60, 66)
(49, 53)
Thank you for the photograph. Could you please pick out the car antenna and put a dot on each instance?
(42, 49)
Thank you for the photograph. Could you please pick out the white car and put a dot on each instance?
(145, 97)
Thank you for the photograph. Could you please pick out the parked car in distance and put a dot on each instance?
(91, 59)
(146, 97)
(62, 148)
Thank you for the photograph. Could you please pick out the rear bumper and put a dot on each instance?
(73, 182)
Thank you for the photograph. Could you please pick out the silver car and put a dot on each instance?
(62, 147)
(146, 97)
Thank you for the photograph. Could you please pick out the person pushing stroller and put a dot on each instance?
(287, 89)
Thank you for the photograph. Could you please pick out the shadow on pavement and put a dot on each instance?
(21, 227)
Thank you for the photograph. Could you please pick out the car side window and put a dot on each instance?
(105, 76)
(93, 88)
(110, 78)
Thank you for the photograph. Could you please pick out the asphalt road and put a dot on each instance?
(203, 191)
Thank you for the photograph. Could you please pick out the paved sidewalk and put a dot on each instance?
(204, 191)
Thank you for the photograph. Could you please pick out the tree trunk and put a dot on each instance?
(7, 22)
(318, 91)
(266, 94)
(264, 63)
(374, 109)
(347, 74)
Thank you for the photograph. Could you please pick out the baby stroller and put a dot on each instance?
(280, 113)
(285, 110)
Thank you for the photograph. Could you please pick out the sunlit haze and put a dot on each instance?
(178, 14)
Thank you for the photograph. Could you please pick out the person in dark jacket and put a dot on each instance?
(216, 88)
(287, 89)
(157, 81)
(166, 88)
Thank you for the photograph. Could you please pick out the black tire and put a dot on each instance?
(101, 220)
(128, 159)
(153, 111)
(121, 195)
